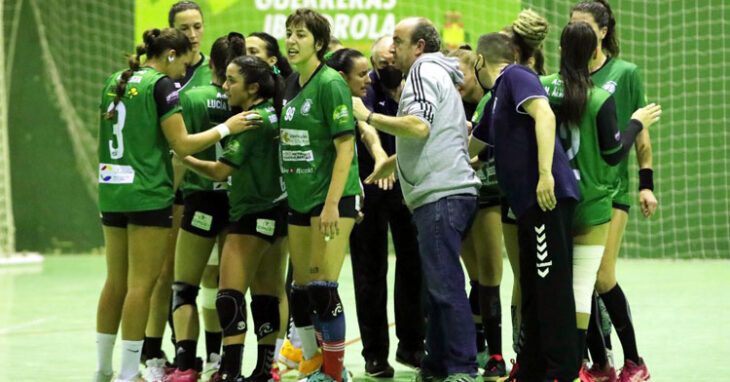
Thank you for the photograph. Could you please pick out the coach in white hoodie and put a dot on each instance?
(440, 187)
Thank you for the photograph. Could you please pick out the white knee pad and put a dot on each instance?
(207, 298)
(586, 261)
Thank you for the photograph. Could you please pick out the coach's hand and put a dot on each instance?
(546, 192)
(648, 115)
(247, 120)
(382, 170)
(328, 221)
(359, 110)
(648, 202)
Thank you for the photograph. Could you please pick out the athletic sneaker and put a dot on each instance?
(460, 377)
(212, 364)
(482, 358)
(495, 368)
(632, 372)
(101, 377)
(378, 369)
(512, 374)
(276, 373)
(156, 369)
(289, 355)
(420, 377)
(259, 378)
(309, 366)
(189, 375)
(411, 359)
(218, 377)
(595, 374)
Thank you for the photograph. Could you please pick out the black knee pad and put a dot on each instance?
(231, 306)
(265, 312)
(325, 301)
(474, 298)
(183, 294)
(299, 306)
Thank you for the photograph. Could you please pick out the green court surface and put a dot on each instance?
(680, 309)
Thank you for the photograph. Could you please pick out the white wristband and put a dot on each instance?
(223, 130)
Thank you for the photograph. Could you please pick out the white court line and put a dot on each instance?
(13, 328)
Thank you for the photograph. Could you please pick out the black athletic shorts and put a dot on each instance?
(508, 216)
(179, 199)
(268, 225)
(348, 206)
(206, 213)
(622, 207)
(151, 218)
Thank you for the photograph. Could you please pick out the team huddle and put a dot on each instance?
(243, 170)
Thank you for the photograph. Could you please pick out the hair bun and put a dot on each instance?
(532, 27)
(149, 35)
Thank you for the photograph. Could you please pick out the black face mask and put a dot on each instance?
(389, 77)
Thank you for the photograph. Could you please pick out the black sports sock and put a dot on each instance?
(594, 338)
(231, 362)
(152, 347)
(491, 308)
(264, 361)
(475, 312)
(620, 313)
(213, 343)
(185, 354)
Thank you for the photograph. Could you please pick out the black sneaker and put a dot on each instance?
(494, 369)
(378, 369)
(259, 377)
(411, 359)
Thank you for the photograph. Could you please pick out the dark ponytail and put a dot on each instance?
(603, 15)
(155, 43)
(343, 60)
(272, 50)
(577, 44)
(256, 71)
(225, 49)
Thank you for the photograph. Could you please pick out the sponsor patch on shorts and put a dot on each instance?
(265, 226)
(202, 221)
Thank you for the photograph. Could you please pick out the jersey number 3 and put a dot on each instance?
(118, 151)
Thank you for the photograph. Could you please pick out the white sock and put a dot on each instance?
(131, 353)
(104, 350)
(294, 337)
(309, 341)
(277, 348)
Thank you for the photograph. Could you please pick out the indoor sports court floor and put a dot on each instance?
(681, 310)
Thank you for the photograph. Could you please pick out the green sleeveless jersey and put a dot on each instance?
(596, 179)
(487, 174)
(135, 171)
(622, 80)
(204, 107)
(195, 76)
(256, 184)
(311, 120)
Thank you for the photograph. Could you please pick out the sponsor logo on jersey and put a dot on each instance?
(337, 310)
(297, 155)
(273, 118)
(291, 137)
(241, 325)
(115, 174)
(172, 97)
(135, 80)
(300, 170)
(341, 112)
(307, 106)
(132, 92)
(610, 86)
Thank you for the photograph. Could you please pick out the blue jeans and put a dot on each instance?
(450, 334)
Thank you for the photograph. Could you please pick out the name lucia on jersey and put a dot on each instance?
(220, 103)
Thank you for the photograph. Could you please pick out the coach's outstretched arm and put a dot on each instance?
(407, 126)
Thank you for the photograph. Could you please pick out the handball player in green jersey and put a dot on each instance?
(319, 166)
(141, 122)
(622, 80)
